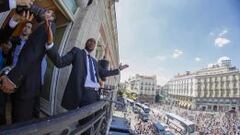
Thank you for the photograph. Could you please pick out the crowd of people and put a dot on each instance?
(25, 42)
(137, 125)
(217, 124)
(144, 128)
(207, 123)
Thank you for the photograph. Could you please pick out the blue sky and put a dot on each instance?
(166, 37)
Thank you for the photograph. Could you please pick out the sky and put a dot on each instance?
(166, 37)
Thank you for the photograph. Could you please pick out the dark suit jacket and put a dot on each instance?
(5, 37)
(5, 34)
(4, 5)
(27, 72)
(15, 41)
(73, 92)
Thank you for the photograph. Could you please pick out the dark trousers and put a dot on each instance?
(89, 96)
(22, 110)
(3, 101)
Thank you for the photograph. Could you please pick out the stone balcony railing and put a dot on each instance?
(99, 115)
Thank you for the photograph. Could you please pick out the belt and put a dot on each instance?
(90, 88)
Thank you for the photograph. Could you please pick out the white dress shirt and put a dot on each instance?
(17, 51)
(88, 81)
(12, 23)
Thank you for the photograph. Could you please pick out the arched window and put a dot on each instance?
(99, 51)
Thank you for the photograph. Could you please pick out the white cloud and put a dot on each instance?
(225, 31)
(177, 53)
(198, 59)
(161, 58)
(221, 41)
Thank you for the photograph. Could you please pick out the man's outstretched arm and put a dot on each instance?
(52, 51)
(107, 73)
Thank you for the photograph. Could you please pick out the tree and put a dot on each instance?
(157, 98)
(120, 93)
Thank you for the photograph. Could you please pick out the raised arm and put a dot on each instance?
(31, 52)
(52, 51)
(61, 61)
(105, 73)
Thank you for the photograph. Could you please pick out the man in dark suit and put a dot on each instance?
(7, 48)
(18, 43)
(4, 50)
(6, 5)
(83, 83)
(25, 78)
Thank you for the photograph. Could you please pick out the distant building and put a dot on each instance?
(143, 86)
(216, 88)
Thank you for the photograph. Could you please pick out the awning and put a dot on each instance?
(185, 104)
(180, 103)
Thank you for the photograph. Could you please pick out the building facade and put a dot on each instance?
(216, 88)
(158, 89)
(143, 86)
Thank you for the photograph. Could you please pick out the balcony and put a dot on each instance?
(98, 115)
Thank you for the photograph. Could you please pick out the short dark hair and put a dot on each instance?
(91, 40)
(29, 22)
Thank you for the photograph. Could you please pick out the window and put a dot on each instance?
(99, 52)
(71, 5)
(49, 72)
(3, 16)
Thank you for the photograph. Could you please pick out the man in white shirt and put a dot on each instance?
(83, 84)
